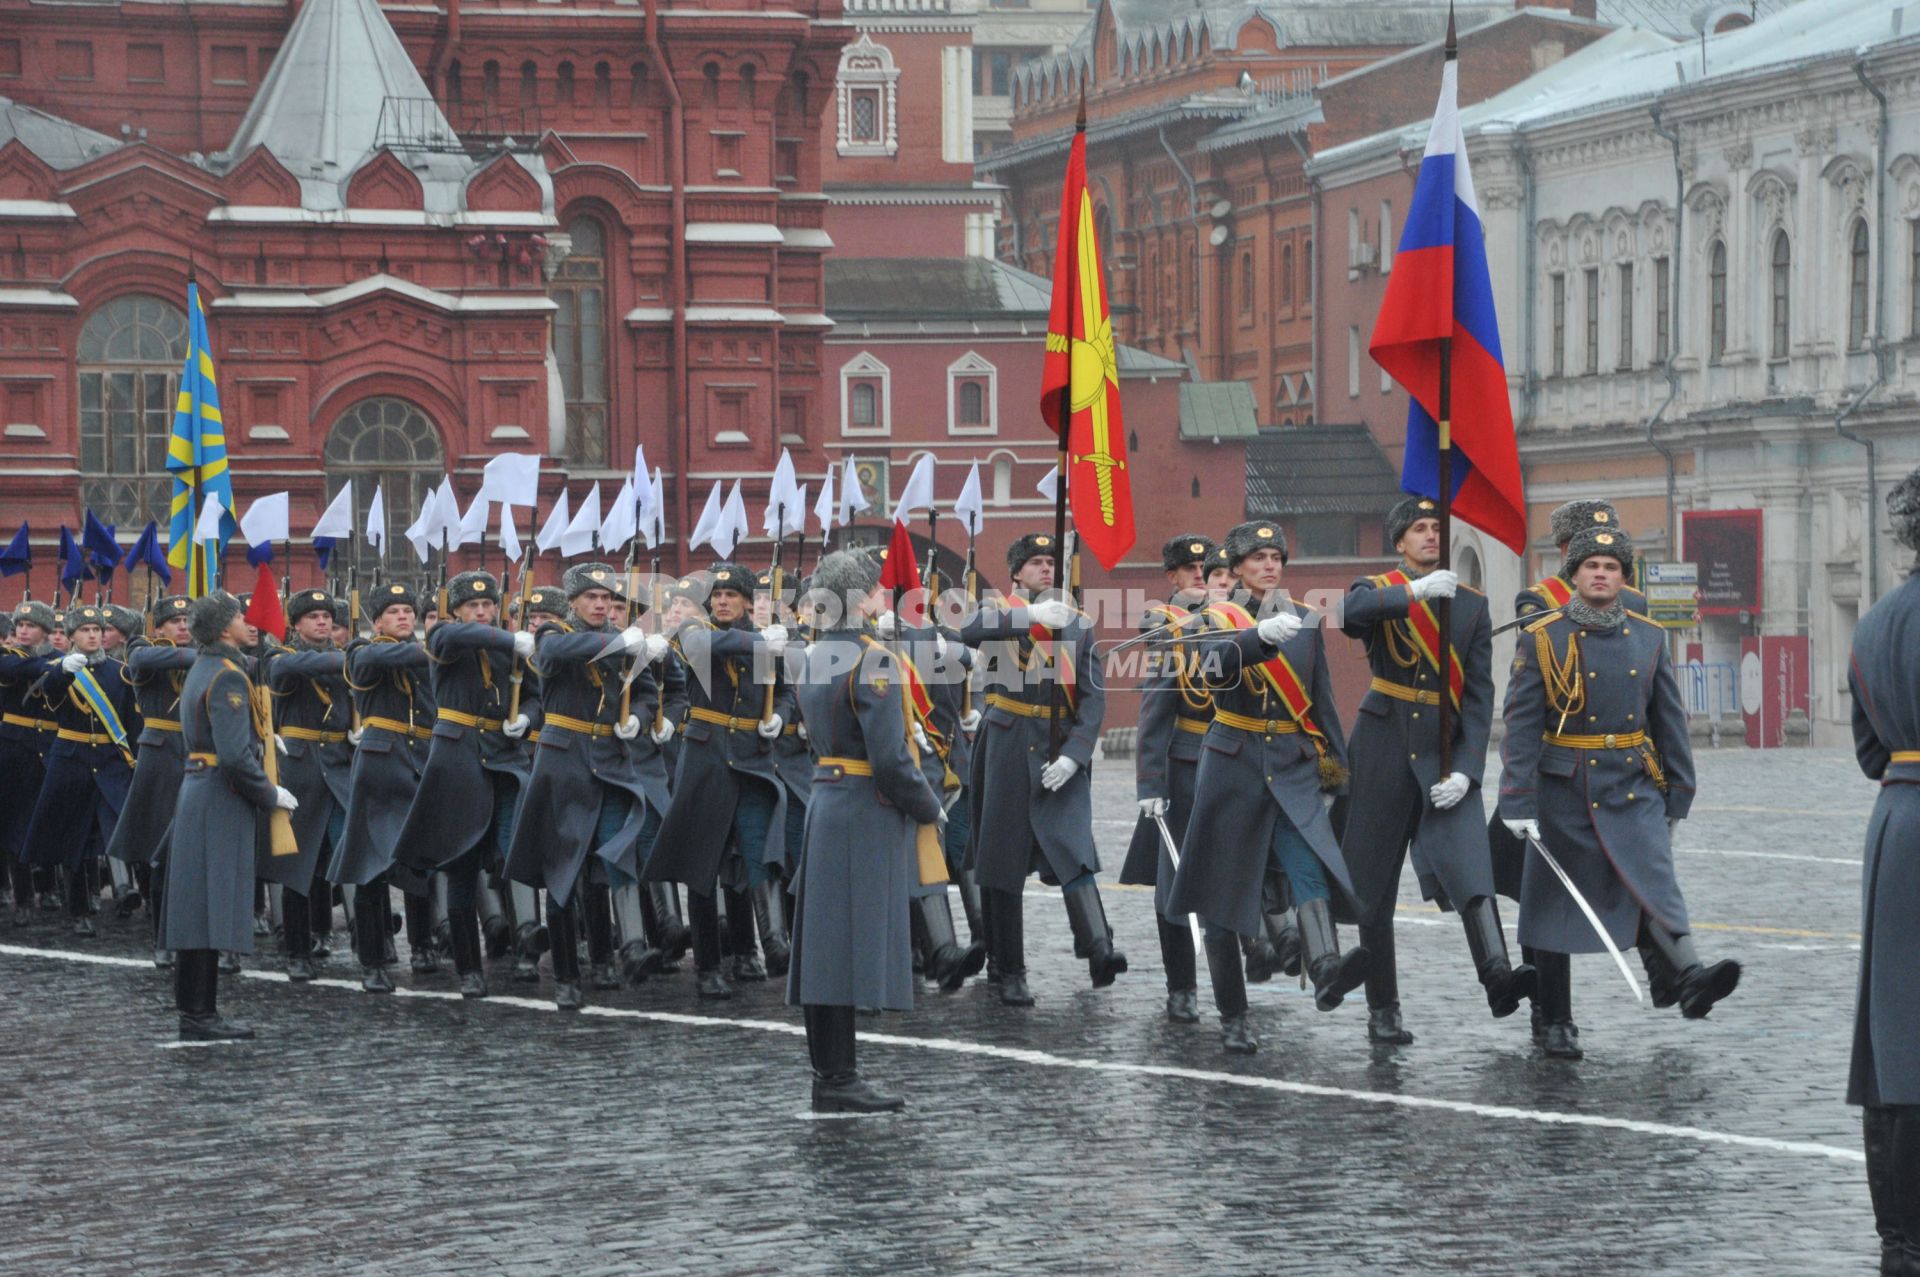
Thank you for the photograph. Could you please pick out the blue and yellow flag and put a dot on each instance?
(197, 456)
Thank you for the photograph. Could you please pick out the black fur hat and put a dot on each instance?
(1575, 515)
(1593, 541)
(34, 612)
(392, 594)
(211, 615)
(548, 600)
(1188, 547)
(1258, 534)
(1034, 545)
(173, 605)
(729, 576)
(80, 616)
(469, 586)
(124, 619)
(305, 601)
(1903, 511)
(589, 576)
(1406, 512)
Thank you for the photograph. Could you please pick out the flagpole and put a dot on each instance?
(1055, 700)
(1443, 612)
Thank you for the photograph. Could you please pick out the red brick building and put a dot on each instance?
(424, 237)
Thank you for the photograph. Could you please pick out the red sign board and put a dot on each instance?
(1775, 680)
(1727, 546)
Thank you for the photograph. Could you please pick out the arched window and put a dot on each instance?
(1858, 267)
(579, 292)
(602, 84)
(454, 87)
(711, 77)
(973, 403)
(1717, 302)
(749, 86)
(864, 404)
(1286, 275)
(529, 84)
(1246, 282)
(384, 445)
(1781, 268)
(490, 83)
(129, 364)
(563, 84)
(637, 84)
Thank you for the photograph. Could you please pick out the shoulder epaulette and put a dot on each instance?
(1541, 624)
(1642, 616)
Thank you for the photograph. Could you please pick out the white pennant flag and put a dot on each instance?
(709, 520)
(509, 537)
(618, 527)
(473, 524)
(797, 516)
(823, 506)
(852, 499)
(444, 531)
(778, 518)
(1049, 484)
(419, 533)
(918, 494)
(968, 507)
(578, 538)
(377, 521)
(644, 494)
(266, 521)
(337, 519)
(554, 528)
(733, 527)
(208, 529)
(512, 478)
(655, 526)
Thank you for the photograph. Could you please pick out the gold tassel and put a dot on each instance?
(1333, 777)
(279, 821)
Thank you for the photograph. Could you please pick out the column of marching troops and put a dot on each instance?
(529, 788)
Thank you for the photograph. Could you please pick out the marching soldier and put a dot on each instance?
(388, 678)
(313, 709)
(89, 764)
(1175, 711)
(157, 668)
(1034, 810)
(475, 767)
(793, 763)
(1273, 761)
(592, 808)
(529, 938)
(726, 785)
(1398, 794)
(1598, 768)
(851, 946)
(1554, 592)
(220, 821)
(1884, 680)
(26, 727)
(1220, 582)
(121, 626)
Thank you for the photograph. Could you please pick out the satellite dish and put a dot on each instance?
(1221, 208)
(1218, 237)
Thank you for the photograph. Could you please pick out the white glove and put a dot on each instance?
(280, 743)
(629, 729)
(1055, 614)
(516, 727)
(800, 730)
(73, 662)
(770, 727)
(663, 733)
(1673, 823)
(633, 638)
(1439, 584)
(523, 644)
(1057, 773)
(920, 739)
(886, 623)
(1151, 807)
(657, 647)
(1523, 828)
(775, 637)
(970, 721)
(353, 737)
(284, 800)
(1326, 802)
(939, 646)
(1278, 628)
(1447, 794)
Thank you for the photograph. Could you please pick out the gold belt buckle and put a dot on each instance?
(1611, 740)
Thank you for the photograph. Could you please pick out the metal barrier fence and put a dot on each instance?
(1710, 689)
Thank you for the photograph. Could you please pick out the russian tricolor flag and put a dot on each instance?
(1440, 297)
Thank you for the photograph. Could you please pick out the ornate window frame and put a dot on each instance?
(866, 67)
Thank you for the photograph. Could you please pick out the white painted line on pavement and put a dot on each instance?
(1046, 1059)
(1769, 855)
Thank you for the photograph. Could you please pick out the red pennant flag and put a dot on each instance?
(265, 611)
(1083, 368)
(901, 573)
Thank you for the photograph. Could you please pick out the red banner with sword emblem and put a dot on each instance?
(1081, 377)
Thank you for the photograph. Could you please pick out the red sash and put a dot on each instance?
(1043, 644)
(1425, 628)
(1554, 590)
(1277, 672)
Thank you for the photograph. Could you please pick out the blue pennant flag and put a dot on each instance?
(147, 553)
(73, 565)
(103, 551)
(323, 550)
(18, 556)
(258, 554)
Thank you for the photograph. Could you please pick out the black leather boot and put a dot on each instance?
(743, 940)
(638, 958)
(1088, 918)
(1553, 981)
(971, 905)
(1384, 1027)
(603, 973)
(703, 912)
(1662, 988)
(567, 995)
(1183, 976)
(463, 935)
(1537, 1014)
(948, 965)
(1283, 933)
(1230, 993)
(422, 956)
(986, 926)
(770, 916)
(837, 1084)
(1892, 1139)
(297, 940)
(1506, 985)
(370, 926)
(1334, 974)
(195, 982)
(1262, 959)
(229, 963)
(1008, 911)
(1699, 984)
(676, 938)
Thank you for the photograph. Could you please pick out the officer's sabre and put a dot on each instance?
(1526, 619)
(1566, 880)
(1173, 853)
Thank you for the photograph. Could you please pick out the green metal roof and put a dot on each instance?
(1217, 410)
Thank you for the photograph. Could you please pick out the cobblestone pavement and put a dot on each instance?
(420, 1134)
